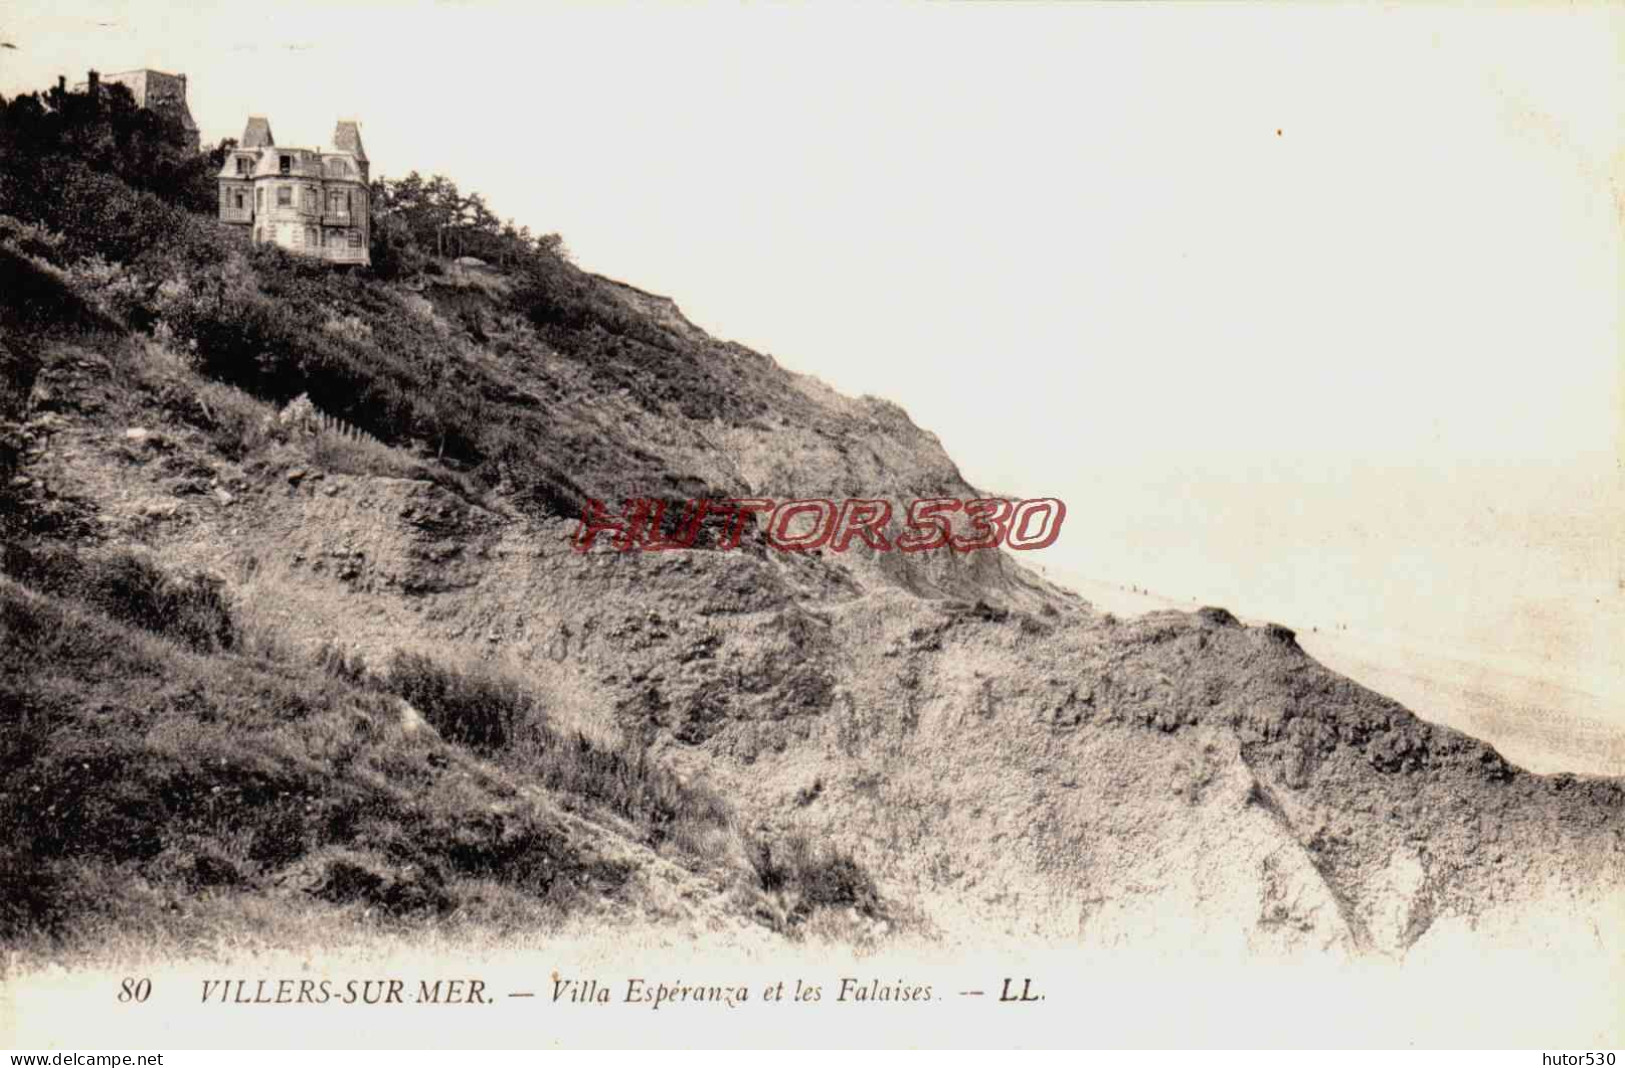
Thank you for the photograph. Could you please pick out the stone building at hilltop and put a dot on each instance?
(310, 201)
(153, 90)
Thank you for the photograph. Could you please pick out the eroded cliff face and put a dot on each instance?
(1009, 762)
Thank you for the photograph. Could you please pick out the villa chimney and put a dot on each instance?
(61, 84)
(94, 85)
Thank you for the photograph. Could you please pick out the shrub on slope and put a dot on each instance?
(135, 773)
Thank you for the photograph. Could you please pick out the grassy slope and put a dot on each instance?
(1030, 767)
(169, 750)
(138, 771)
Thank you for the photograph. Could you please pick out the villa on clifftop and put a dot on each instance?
(309, 201)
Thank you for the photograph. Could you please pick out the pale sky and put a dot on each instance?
(1240, 285)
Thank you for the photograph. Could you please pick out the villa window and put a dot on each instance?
(355, 238)
(310, 201)
(310, 237)
(337, 169)
(239, 200)
(287, 164)
(259, 200)
(242, 164)
(284, 196)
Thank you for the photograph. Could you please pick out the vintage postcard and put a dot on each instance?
(570, 525)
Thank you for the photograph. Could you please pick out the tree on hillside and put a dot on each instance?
(417, 217)
(111, 135)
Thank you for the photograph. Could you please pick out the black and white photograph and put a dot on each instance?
(905, 525)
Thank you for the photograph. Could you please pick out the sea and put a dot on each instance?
(1493, 605)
